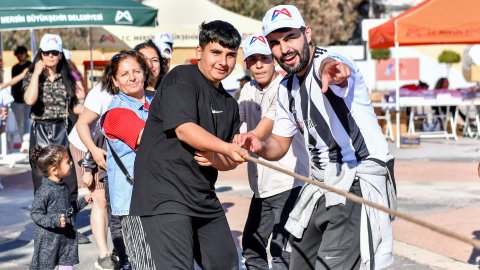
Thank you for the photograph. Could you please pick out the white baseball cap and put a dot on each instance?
(163, 37)
(67, 54)
(165, 46)
(255, 44)
(51, 42)
(282, 16)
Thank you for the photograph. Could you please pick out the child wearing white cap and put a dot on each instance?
(325, 99)
(274, 193)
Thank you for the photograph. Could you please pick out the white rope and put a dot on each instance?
(360, 200)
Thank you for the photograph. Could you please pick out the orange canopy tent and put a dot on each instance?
(430, 22)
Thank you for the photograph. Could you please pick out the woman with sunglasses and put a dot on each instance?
(50, 89)
(126, 77)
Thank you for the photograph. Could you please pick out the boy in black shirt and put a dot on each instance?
(191, 121)
(19, 108)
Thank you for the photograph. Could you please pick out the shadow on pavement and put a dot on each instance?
(83, 220)
(223, 189)
(20, 180)
(227, 205)
(20, 240)
(474, 257)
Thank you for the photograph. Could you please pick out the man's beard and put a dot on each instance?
(304, 57)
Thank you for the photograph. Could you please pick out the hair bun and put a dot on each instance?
(36, 153)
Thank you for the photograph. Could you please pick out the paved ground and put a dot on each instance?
(436, 182)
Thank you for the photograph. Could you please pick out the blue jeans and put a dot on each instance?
(267, 216)
(22, 116)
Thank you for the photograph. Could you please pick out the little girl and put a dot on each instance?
(55, 241)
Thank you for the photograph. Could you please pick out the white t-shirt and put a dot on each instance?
(341, 124)
(254, 104)
(97, 101)
(6, 97)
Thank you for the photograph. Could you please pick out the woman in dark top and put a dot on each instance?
(441, 111)
(50, 89)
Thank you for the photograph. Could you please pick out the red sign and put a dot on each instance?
(409, 69)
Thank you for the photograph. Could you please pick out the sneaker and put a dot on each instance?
(105, 263)
(126, 266)
(82, 239)
(115, 257)
(24, 147)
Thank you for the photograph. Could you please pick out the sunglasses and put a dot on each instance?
(53, 52)
(124, 52)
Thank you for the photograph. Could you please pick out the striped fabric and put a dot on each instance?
(137, 247)
(341, 124)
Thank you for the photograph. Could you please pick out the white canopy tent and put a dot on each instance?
(181, 18)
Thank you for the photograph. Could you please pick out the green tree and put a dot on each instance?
(333, 21)
(449, 57)
(380, 54)
(72, 38)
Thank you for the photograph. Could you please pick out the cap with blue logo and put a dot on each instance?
(163, 37)
(255, 44)
(51, 42)
(282, 16)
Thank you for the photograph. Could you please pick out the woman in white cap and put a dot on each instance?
(77, 76)
(164, 42)
(50, 89)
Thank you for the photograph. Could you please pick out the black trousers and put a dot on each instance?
(177, 240)
(267, 217)
(332, 238)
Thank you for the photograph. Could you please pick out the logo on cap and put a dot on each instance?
(283, 11)
(53, 39)
(123, 17)
(259, 38)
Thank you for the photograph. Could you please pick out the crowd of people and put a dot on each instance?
(148, 142)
